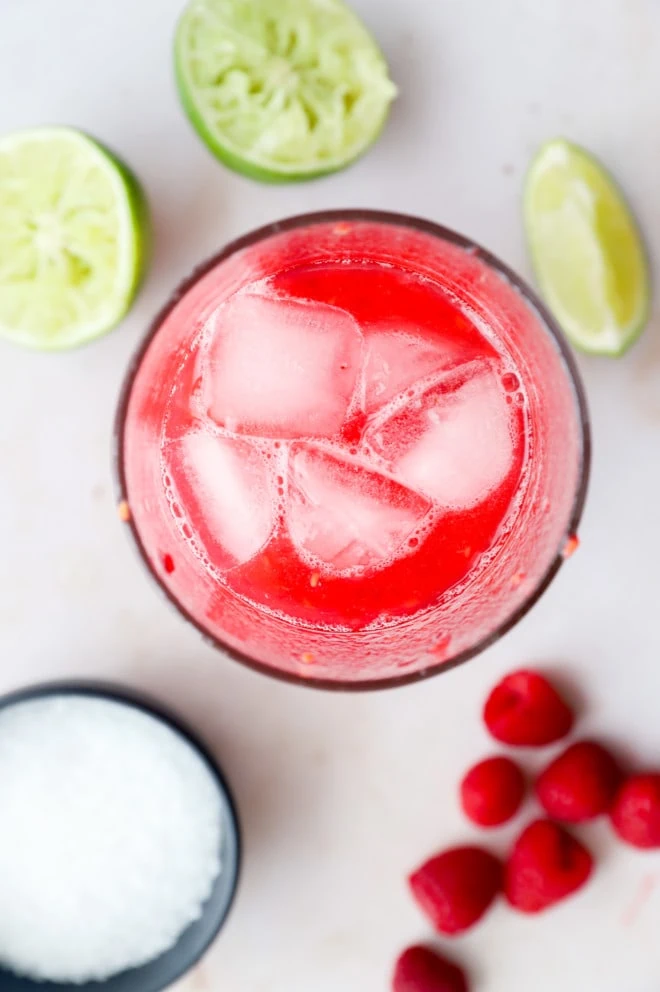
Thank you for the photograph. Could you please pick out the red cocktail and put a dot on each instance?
(353, 449)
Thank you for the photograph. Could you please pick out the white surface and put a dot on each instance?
(341, 796)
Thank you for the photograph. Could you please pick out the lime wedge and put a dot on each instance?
(281, 89)
(587, 250)
(72, 238)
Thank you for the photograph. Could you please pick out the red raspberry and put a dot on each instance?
(580, 784)
(419, 969)
(636, 811)
(545, 866)
(456, 888)
(524, 710)
(492, 791)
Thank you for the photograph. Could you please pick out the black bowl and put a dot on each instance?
(194, 941)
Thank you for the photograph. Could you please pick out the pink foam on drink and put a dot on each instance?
(344, 514)
(281, 368)
(453, 442)
(225, 483)
(395, 360)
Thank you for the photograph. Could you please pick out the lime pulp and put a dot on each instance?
(281, 90)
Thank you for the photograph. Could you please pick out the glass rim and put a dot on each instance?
(546, 321)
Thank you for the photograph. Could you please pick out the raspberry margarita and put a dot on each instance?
(352, 448)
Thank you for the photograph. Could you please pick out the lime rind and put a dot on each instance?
(73, 238)
(281, 90)
(588, 254)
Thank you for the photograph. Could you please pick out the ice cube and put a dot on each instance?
(454, 443)
(282, 368)
(395, 360)
(225, 485)
(345, 514)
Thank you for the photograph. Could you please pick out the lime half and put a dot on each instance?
(72, 238)
(587, 251)
(281, 89)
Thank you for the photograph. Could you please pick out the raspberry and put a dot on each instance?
(580, 784)
(524, 710)
(419, 969)
(636, 811)
(456, 888)
(492, 791)
(545, 866)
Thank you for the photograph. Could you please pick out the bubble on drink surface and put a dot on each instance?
(343, 514)
(395, 360)
(281, 367)
(511, 382)
(227, 488)
(455, 444)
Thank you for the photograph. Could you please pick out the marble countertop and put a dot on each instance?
(341, 796)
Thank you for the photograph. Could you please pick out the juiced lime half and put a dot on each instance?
(587, 250)
(72, 238)
(281, 89)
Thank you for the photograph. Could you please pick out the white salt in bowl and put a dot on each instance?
(165, 968)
